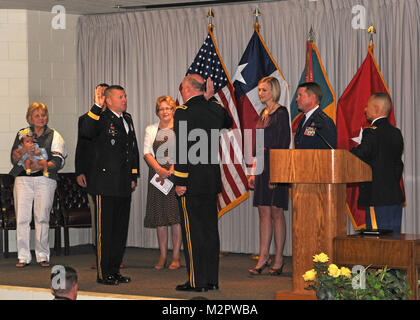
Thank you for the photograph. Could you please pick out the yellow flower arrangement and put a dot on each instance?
(331, 282)
(322, 257)
(309, 275)
(333, 270)
(345, 272)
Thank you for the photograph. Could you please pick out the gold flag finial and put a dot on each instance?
(311, 36)
(257, 13)
(210, 16)
(371, 30)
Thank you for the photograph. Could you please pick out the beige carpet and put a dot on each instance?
(235, 283)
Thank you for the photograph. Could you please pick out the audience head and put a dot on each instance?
(64, 282)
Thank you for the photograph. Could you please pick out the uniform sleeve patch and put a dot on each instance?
(93, 116)
(181, 174)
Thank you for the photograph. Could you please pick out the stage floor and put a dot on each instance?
(235, 282)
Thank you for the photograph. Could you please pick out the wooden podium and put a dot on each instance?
(318, 179)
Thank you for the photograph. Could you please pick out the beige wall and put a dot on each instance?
(37, 63)
(13, 79)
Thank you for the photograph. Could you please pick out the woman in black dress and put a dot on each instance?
(271, 199)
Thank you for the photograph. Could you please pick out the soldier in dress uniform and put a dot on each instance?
(381, 147)
(315, 130)
(198, 181)
(83, 158)
(113, 177)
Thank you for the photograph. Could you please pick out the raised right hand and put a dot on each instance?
(99, 97)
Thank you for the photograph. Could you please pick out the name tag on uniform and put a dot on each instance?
(309, 131)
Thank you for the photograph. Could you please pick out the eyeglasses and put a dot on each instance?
(165, 109)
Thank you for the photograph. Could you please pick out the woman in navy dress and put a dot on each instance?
(271, 199)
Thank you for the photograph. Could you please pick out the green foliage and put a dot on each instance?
(331, 283)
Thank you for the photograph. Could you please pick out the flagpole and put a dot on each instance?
(371, 31)
(257, 13)
(308, 64)
(210, 16)
(311, 35)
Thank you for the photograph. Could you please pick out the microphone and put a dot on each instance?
(319, 126)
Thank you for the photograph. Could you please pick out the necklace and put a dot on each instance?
(267, 111)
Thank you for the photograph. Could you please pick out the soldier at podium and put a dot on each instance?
(315, 130)
(381, 147)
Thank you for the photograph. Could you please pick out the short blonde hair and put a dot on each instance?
(274, 85)
(168, 99)
(33, 107)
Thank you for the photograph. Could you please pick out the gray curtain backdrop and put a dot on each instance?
(149, 52)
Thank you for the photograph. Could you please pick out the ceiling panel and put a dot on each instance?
(93, 6)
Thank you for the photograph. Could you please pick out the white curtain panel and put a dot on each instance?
(149, 52)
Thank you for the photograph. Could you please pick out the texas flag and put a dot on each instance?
(255, 64)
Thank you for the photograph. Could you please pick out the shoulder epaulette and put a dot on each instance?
(184, 107)
(214, 99)
(323, 115)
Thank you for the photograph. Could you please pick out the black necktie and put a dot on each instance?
(120, 120)
(301, 122)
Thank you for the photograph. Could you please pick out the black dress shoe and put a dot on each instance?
(121, 279)
(108, 280)
(187, 287)
(213, 286)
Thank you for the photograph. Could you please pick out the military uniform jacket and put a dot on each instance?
(197, 164)
(308, 135)
(381, 147)
(115, 154)
(84, 150)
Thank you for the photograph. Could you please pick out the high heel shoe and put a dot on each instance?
(174, 265)
(257, 271)
(276, 272)
(161, 264)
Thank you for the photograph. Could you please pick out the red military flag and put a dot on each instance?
(351, 120)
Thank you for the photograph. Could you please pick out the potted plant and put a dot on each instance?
(333, 283)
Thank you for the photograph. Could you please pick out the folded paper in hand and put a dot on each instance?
(164, 186)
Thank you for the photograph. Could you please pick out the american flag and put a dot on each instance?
(209, 64)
